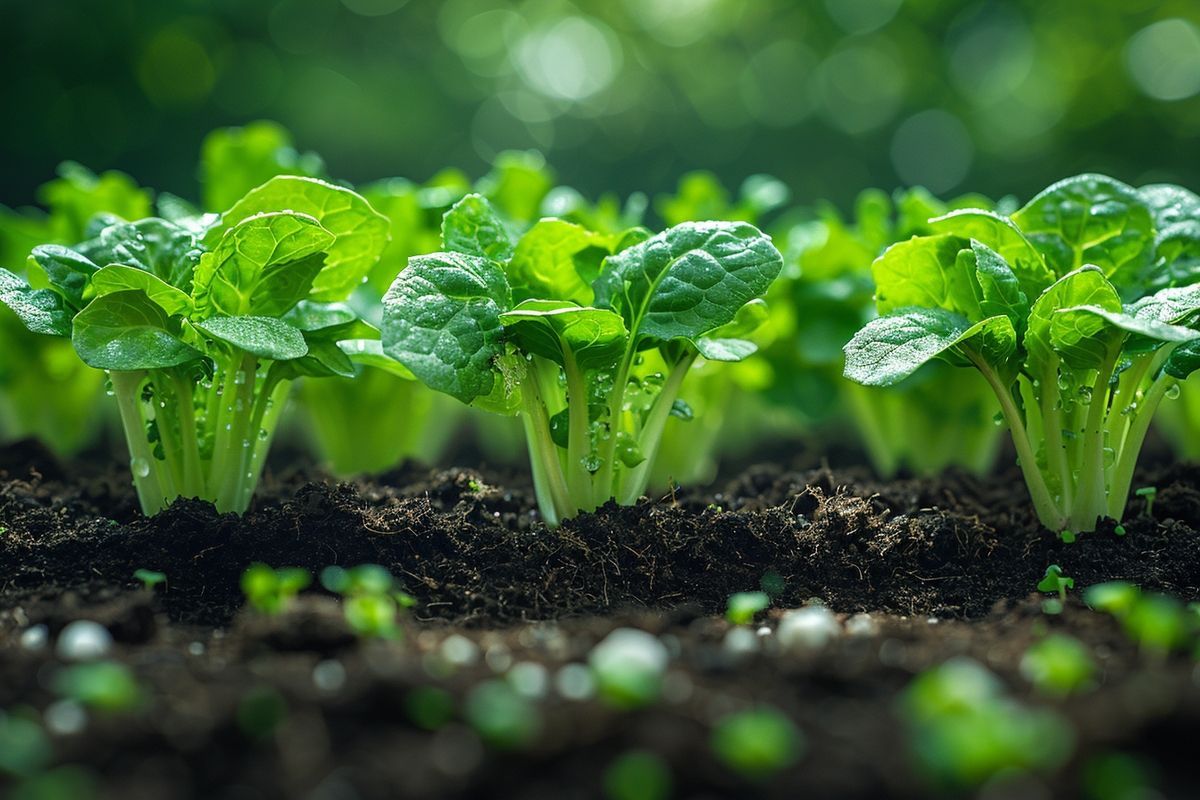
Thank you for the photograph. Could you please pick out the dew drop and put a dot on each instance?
(108, 388)
(239, 378)
(139, 466)
(591, 462)
(998, 419)
(262, 435)
(1172, 391)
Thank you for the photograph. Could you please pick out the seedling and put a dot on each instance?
(150, 578)
(638, 775)
(965, 730)
(1055, 581)
(743, 606)
(1059, 308)
(203, 322)
(1058, 665)
(372, 598)
(556, 327)
(1112, 597)
(102, 685)
(757, 743)
(628, 667)
(501, 716)
(1158, 623)
(1149, 494)
(271, 591)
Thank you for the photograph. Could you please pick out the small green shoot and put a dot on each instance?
(637, 775)
(1112, 597)
(757, 743)
(1058, 665)
(501, 716)
(101, 685)
(270, 590)
(1149, 494)
(1158, 623)
(150, 578)
(743, 606)
(1055, 581)
(1119, 530)
(373, 598)
(1067, 536)
(628, 667)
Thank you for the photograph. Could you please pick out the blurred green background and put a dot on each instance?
(830, 95)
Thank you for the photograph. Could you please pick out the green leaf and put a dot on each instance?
(1091, 219)
(324, 359)
(1176, 305)
(78, 195)
(889, 349)
(265, 337)
(67, 270)
(163, 249)
(545, 263)
(441, 319)
(1140, 326)
(41, 310)
(688, 280)
(1183, 360)
(369, 353)
(235, 160)
(119, 278)
(128, 331)
(1001, 235)
(725, 349)
(263, 265)
(1170, 204)
(517, 183)
(329, 321)
(925, 272)
(472, 227)
(1080, 338)
(748, 319)
(551, 328)
(360, 233)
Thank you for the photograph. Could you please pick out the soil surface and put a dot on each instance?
(941, 567)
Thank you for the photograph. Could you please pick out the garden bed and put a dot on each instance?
(917, 572)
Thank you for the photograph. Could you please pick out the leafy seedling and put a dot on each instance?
(101, 685)
(1058, 665)
(1112, 597)
(743, 606)
(557, 327)
(628, 667)
(1055, 581)
(1149, 494)
(202, 322)
(1158, 623)
(757, 743)
(373, 599)
(271, 591)
(150, 578)
(1068, 311)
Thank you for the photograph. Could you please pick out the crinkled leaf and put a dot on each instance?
(78, 195)
(119, 278)
(41, 310)
(595, 337)
(329, 321)
(235, 160)
(546, 262)
(1080, 338)
(265, 337)
(324, 359)
(128, 331)
(473, 227)
(517, 183)
(67, 270)
(441, 319)
(263, 265)
(889, 349)
(1139, 326)
(1169, 204)
(1173, 305)
(925, 272)
(689, 280)
(1000, 234)
(715, 349)
(748, 319)
(163, 249)
(999, 288)
(360, 233)
(1091, 219)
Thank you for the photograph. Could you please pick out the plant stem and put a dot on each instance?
(543, 455)
(1127, 456)
(127, 388)
(579, 479)
(1090, 503)
(634, 481)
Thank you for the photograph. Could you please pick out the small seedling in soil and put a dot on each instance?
(757, 743)
(1158, 623)
(150, 578)
(272, 590)
(373, 599)
(743, 606)
(373, 616)
(501, 716)
(1055, 581)
(101, 685)
(966, 730)
(628, 667)
(638, 775)
(1058, 665)
(1112, 597)
(1149, 494)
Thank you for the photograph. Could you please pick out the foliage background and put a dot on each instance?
(831, 95)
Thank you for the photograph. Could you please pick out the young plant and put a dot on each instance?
(556, 325)
(757, 743)
(1058, 665)
(270, 590)
(203, 323)
(1054, 306)
(1054, 581)
(743, 606)
(372, 599)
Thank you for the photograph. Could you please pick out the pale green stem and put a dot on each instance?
(1091, 502)
(579, 479)
(127, 388)
(1122, 475)
(634, 481)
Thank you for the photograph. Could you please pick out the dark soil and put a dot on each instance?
(945, 567)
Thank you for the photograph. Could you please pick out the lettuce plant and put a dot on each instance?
(45, 391)
(202, 323)
(1058, 307)
(553, 326)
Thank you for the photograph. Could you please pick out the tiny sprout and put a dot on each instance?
(101, 685)
(150, 578)
(637, 775)
(1119, 530)
(1112, 597)
(1149, 493)
(744, 605)
(1067, 535)
(372, 616)
(629, 666)
(1055, 581)
(757, 743)
(1157, 622)
(1058, 665)
(271, 590)
(475, 485)
(501, 716)
(372, 598)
